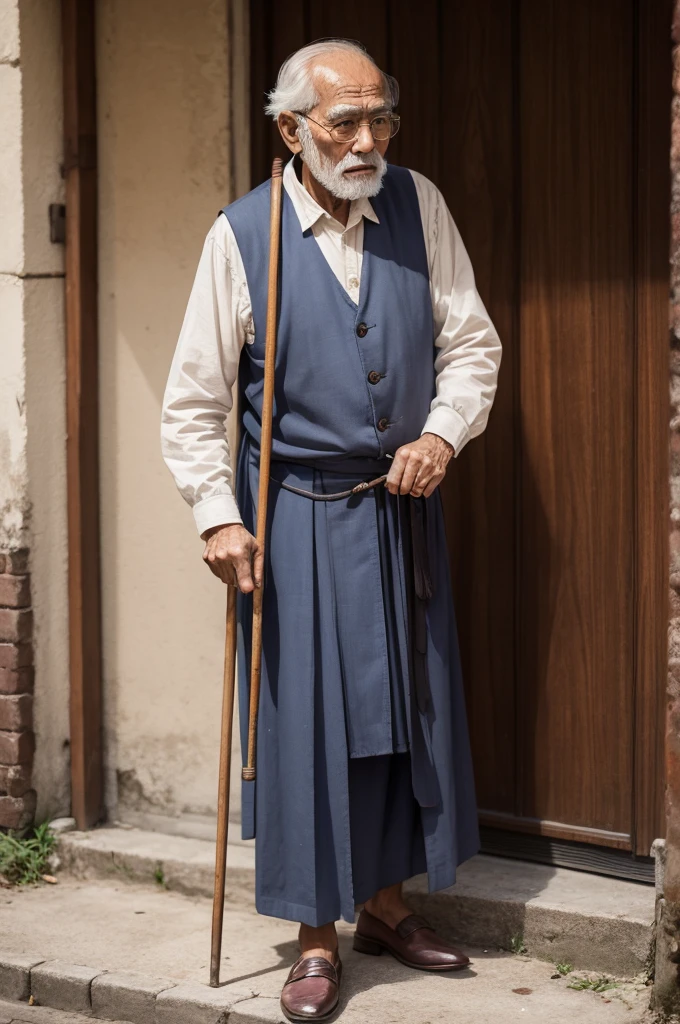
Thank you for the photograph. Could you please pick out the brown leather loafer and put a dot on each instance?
(312, 988)
(412, 942)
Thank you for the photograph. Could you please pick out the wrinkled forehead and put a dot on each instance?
(345, 81)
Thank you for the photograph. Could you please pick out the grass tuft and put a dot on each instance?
(601, 984)
(23, 858)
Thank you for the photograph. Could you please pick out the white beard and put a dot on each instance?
(332, 176)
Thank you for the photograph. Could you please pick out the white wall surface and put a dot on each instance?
(164, 112)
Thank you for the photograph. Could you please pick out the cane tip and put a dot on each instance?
(247, 774)
(277, 167)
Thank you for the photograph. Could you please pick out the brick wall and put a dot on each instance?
(673, 705)
(675, 361)
(17, 799)
(666, 995)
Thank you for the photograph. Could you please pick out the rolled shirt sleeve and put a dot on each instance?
(198, 394)
(468, 349)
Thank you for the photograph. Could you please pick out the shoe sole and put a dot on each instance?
(374, 948)
(301, 1020)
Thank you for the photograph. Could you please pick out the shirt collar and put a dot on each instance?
(308, 210)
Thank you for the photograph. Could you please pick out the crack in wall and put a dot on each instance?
(29, 276)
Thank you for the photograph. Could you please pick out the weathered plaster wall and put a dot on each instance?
(13, 487)
(164, 158)
(32, 413)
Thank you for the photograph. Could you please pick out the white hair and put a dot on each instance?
(294, 89)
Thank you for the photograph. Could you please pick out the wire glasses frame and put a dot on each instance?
(383, 127)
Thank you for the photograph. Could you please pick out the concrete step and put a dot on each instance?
(179, 863)
(589, 921)
(137, 953)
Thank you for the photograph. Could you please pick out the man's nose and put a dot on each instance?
(364, 141)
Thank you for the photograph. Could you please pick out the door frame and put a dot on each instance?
(652, 244)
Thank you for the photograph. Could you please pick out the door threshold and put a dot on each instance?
(596, 860)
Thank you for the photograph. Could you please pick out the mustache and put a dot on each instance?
(350, 160)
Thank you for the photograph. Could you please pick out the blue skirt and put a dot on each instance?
(358, 787)
(386, 830)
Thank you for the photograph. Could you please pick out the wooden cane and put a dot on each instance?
(230, 642)
(248, 773)
(223, 787)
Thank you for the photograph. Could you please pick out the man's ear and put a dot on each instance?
(288, 126)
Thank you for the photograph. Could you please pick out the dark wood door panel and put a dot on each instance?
(532, 117)
(576, 356)
(423, 132)
(476, 174)
(276, 31)
(353, 19)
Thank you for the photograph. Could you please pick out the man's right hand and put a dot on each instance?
(234, 556)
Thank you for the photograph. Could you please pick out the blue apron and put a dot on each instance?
(341, 724)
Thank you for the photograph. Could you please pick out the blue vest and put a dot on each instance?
(353, 382)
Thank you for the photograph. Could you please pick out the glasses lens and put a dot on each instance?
(382, 128)
(345, 131)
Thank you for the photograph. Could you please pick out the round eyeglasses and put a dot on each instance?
(383, 127)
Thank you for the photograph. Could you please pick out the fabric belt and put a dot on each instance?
(421, 584)
(365, 485)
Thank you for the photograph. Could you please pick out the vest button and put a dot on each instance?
(362, 330)
(374, 377)
(383, 423)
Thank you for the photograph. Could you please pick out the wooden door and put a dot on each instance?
(546, 125)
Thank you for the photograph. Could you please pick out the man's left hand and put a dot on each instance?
(418, 467)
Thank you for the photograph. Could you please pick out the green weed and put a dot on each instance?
(517, 945)
(563, 968)
(23, 859)
(601, 984)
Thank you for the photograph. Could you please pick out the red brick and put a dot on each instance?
(16, 562)
(15, 655)
(15, 625)
(15, 591)
(18, 680)
(16, 747)
(674, 541)
(15, 779)
(17, 811)
(16, 712)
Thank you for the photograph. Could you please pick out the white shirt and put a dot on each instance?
(218, 322)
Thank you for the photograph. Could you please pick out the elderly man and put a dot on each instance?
(386, 363)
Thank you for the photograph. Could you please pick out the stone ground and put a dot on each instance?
(130, 927)
(13, 1013)
(591, 921)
